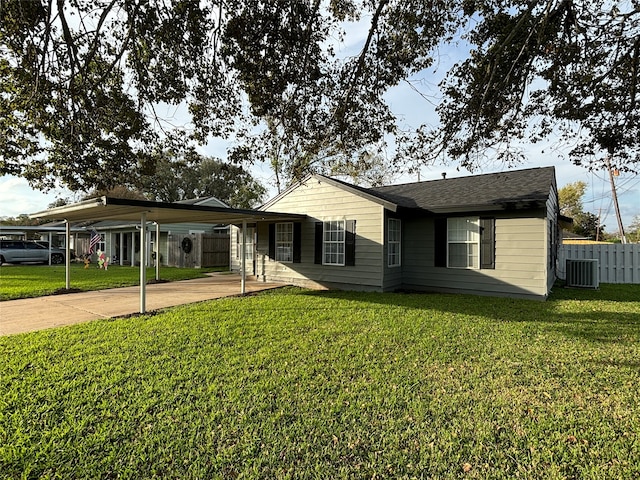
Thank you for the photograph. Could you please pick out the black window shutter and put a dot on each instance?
(440, 242)
(297, 242)
(488, 243)
(317, 254)
(350, 243)
(272, 241)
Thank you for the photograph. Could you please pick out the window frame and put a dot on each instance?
(279, 243)
(340, 255)
(102, 244)
(467, 242)
(396, 252)
(250, 243)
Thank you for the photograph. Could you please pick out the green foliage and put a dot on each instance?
(59, 202)
(23, 281)
(588, 225)
(570, 198)
(633, 230)
(82, 84)
(22, 219)
(78, 83)
(537, 68)
(585, 224)
(196, 176)
(301, 384)
(119, 191)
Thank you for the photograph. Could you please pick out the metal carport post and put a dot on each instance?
(67, 259)
(157, 245)
(243, 262)
(143, 266)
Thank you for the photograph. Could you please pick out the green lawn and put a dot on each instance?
(22, 281)
(300, 384)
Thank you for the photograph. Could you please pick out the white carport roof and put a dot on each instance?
(108, 208)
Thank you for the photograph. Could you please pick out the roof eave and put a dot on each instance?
(63, 211)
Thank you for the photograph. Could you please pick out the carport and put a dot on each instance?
(108, 208)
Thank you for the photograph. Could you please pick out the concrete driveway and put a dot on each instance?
(30, 314)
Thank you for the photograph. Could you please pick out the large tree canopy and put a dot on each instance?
(569, 66)
(193, 176)
(86, 86)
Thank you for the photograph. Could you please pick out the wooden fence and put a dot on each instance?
(215, 250)
(618, 263)
(207, 250)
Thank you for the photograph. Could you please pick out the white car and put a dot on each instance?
(18, 251)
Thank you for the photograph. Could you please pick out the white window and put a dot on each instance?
(284, 242)
(333, 242)
(393, 242)
(463, 242)
(102, 244)
(249, 245)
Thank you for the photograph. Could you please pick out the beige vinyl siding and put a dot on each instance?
(321, 201)
(520, 259)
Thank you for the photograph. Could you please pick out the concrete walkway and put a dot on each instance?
(30, 314)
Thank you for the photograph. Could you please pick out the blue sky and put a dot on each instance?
(413, 104)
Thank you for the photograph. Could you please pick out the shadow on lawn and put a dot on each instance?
(602, 316)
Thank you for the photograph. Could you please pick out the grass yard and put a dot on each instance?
(23, 281)
(301, 384)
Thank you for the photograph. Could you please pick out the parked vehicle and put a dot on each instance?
(19, 251)
(45, 244)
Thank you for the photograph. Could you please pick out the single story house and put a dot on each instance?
(120, 240)
(492, 234)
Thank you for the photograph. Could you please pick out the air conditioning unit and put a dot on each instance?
(583, 273)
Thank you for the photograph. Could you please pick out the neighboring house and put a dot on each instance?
(493, 234)
(120, 240)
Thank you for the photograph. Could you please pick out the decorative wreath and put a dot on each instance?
(187, 245)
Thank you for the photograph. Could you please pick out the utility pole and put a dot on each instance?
(607, 161)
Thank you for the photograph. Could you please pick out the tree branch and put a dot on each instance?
(72, 49)
(361, 59)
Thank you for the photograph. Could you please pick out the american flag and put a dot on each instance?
(95, 239)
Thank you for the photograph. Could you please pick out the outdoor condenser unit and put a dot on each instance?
(583, 273)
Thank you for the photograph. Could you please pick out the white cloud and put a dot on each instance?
(17, 197)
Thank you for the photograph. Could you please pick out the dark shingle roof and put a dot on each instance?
(505, 190)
